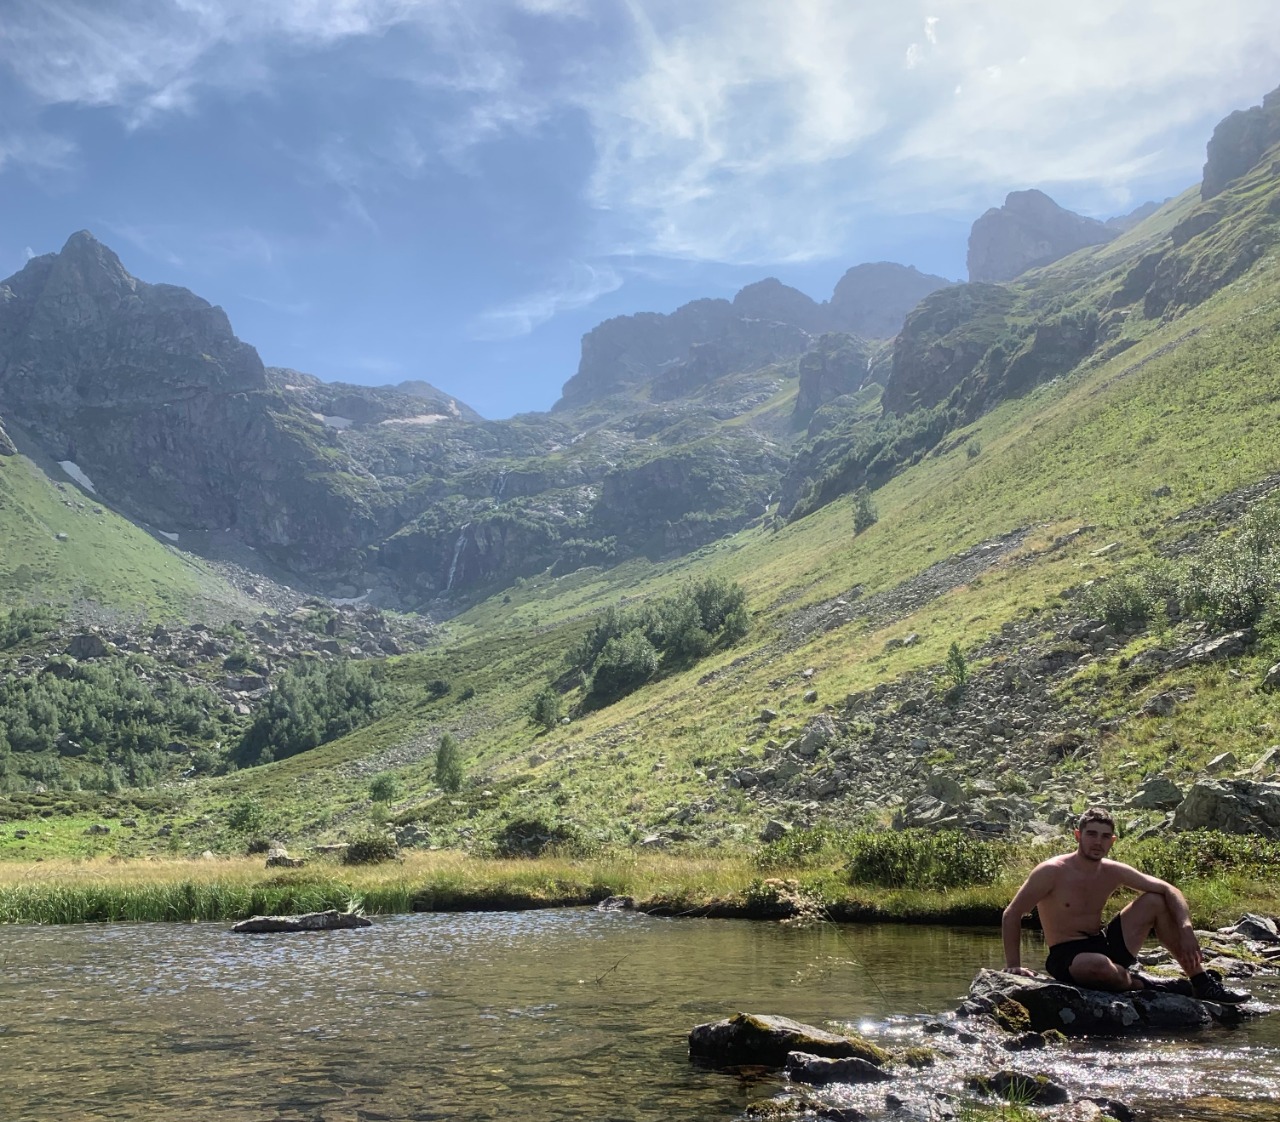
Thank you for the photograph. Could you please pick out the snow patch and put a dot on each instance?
(334, 422)
(350, 601)
(73, 470)
(168, 536)
(420, 419)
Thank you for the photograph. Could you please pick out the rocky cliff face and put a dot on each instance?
(1030, 230)
(6, 445)
(835, 365)
(1239, 142)
(873, 300)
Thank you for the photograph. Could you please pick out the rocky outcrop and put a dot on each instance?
(1030, 230)
(1074, 1011)
(834, 365)
(1239, 142)
(873, 300)
(942, 342)
(313, 921)
(1232, 806)
(6, 445)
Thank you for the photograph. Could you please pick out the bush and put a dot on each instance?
(449, 772)
(1133, 597)
(1198, 854)
(438, 688)
(530, 837)
(1233, 579)
(370, 847)
(957, 668)
(383, 788)
(923, 860)
(547, 708)
(865, 514)
(246, 816)
(625, 664)
(800, 849)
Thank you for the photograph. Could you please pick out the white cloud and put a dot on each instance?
(580, 284)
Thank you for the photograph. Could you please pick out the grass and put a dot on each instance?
(105, 889)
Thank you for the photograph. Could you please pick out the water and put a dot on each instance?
(566, 1014)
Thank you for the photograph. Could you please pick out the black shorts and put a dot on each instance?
(1109, 942)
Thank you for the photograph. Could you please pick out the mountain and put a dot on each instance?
(1028, 231)
(1062, 587)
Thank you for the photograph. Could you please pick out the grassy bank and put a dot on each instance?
(98, 890)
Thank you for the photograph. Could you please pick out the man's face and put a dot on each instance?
(1095, 841)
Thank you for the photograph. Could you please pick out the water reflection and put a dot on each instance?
(536, 1015)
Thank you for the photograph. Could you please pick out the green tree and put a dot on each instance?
(547, 708)
(383, 788)
(625, 664)
(449, 773)
(957, 668)
(865, 514)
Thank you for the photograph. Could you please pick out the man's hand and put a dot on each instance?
(1188, 951)
(1021, 971)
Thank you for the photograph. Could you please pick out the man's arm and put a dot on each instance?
(1187, 950)
(1034, 889)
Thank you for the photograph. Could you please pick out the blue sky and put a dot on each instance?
(385, 189)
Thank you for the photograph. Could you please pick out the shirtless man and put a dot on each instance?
(1070, 891)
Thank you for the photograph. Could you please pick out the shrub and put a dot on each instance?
(369, 847)
(1233, 579)
(546, 709)
(246, 816)
(803, 848)
(973, 449)
(438, 688)
(530, 837)
(1197, 854)
(957, 668)
(449, 772)
(383, 788)
(626, 663)
(923, 860)
(467, 693)
(865, 514)
(1133, 597)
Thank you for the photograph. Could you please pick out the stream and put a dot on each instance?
(559, 1014)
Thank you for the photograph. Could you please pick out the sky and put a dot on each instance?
(458, 190)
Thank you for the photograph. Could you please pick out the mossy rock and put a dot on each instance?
(1012, 1016)
(750, 1038)
(917, 1057)
(1020, 1087)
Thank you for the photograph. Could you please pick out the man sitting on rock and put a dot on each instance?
(1070, 891)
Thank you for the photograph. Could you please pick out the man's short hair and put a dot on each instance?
(1096, 814)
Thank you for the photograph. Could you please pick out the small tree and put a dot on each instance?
(449, 764)
(865, 514)
(957, 668)
(547, 708)
(383, 788)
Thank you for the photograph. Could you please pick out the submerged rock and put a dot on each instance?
(331, 920)
(1020, 1087)
(749, 1038)
(806, 1068)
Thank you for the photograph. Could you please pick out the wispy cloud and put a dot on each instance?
(580, 284)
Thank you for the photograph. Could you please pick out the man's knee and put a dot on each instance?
(1094, 970)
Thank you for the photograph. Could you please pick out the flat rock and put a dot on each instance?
(331, 920)
(803, 1067)
(1082, 1012)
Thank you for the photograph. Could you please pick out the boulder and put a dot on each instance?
(749, 1038)
(88, 644)
(773, 830)
(818, 733)
(1271, 680)
(1232, 806)
(1156, 793)
(1074, 1011)
(1231, 645)
(331, 920)
(803, 1067)
(1261, 929)
(1020, 1087)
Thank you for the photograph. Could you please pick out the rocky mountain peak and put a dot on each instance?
(770, 299)
(1030, 230)
(1238, 143)
(873, 299)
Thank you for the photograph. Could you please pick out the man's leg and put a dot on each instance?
(1149, 912)
(1098, 972)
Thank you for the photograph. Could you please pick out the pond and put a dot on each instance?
(564, 1014)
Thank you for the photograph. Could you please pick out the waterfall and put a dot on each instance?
(499, 485)
(457, 553)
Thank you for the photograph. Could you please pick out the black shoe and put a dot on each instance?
(1181, 986)
(1207, 986)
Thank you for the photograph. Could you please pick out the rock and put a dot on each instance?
(130, 822)
(818, 733)
(1261, 929)
(1234, 806)
(1162, 705)
(773, 830)
(284, 861)
(1156, 793)
(1030, 230)
(616, 904)
(331, 920)
(88, 644)
(748, 1038)
(98, 829)
(1224, 761)
(945, 789)
(1024, 1042)
(1271, 680)
(810, 696)
(871, 300)
(803, 1067)
(1231, 645)
(1020, 1087)
(1269, 761)
(6, 445)
(1079, 1012)
(767, 715)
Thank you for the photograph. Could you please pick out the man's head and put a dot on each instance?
(1095, 834)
